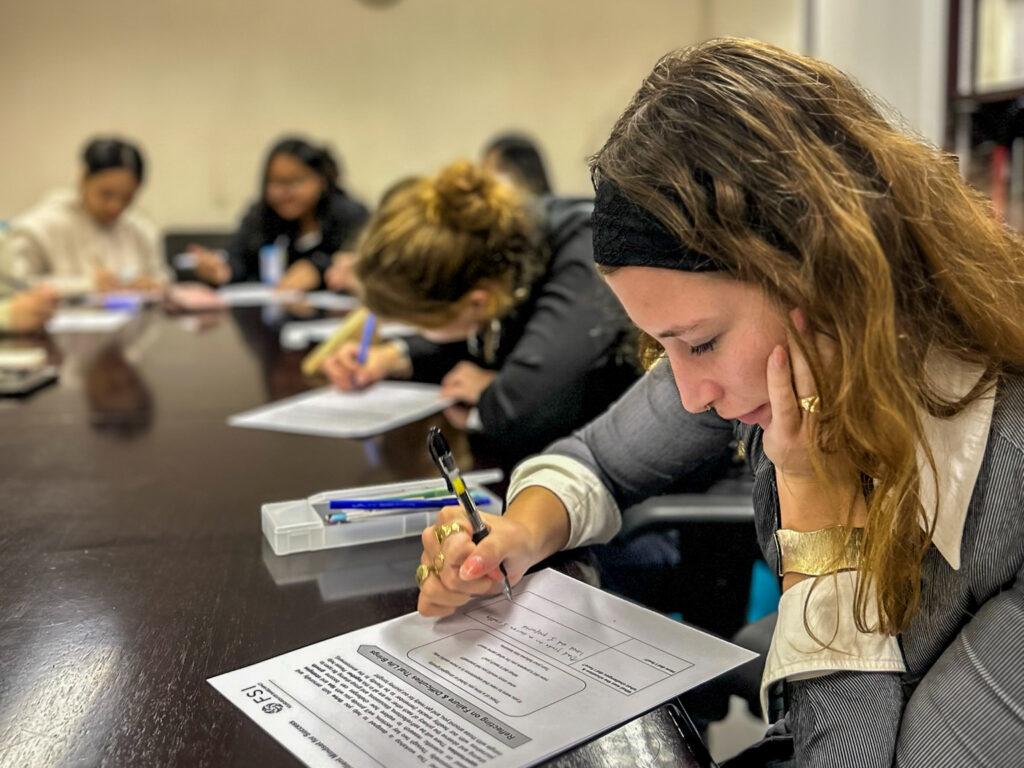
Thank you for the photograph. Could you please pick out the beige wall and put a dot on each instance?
(204, 85)
(779, 22)
(897, 50)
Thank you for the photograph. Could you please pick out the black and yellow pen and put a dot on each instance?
(441, 453)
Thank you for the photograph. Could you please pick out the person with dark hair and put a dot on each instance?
(517, 158)
(341, 275)
(303, 208)
(89, 238)
(829, 290)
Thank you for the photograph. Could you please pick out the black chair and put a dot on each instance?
(717, 544)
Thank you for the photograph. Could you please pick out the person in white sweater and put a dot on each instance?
(89, 238)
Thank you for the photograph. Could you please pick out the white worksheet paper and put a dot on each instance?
(256, 295)
(330, 300)
(497, 684)
(87, 321)
(330, 413)
(299, 334)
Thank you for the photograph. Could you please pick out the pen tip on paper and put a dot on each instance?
(508, 590)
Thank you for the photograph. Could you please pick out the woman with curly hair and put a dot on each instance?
(515, 322)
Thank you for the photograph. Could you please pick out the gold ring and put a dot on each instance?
(810, 403)
(438, 562)
(422, 574)
(442, 532)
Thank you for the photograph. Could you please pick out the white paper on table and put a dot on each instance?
(87, 321)
(330, 300)
(395, 330)
(500, 684)
(299, 334)
(256, 295)
(330, 413)
(67, 286)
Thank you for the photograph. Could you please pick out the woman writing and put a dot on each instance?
(516, 324)
(303, 208)
(90, 238)
(832, 288)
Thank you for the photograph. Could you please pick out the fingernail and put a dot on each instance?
(779, 357)
(472, 568)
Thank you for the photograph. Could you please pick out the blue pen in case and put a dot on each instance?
(122, 302)
(389, 504)
(367, 509)
(302, 525)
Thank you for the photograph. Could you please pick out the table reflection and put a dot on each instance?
(120, 401)
(346, 572)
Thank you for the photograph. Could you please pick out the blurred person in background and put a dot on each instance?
(90, 238)
(517, 158)
(303, 208)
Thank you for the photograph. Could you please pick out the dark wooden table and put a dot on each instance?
(132, 566)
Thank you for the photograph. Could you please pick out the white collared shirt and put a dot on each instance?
(958, 448)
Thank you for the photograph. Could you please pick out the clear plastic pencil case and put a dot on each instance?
(302, 525)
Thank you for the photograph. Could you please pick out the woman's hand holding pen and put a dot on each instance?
(462, 569)
(533, 527)
(382, 361)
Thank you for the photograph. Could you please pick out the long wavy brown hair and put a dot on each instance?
(787, 173)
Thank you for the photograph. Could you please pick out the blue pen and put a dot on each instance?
(369, 325)
(358, 514)
(122, 302)
(436, 503)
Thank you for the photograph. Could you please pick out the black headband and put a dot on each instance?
(627, 235)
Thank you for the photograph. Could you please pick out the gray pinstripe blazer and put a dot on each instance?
(961, 700)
